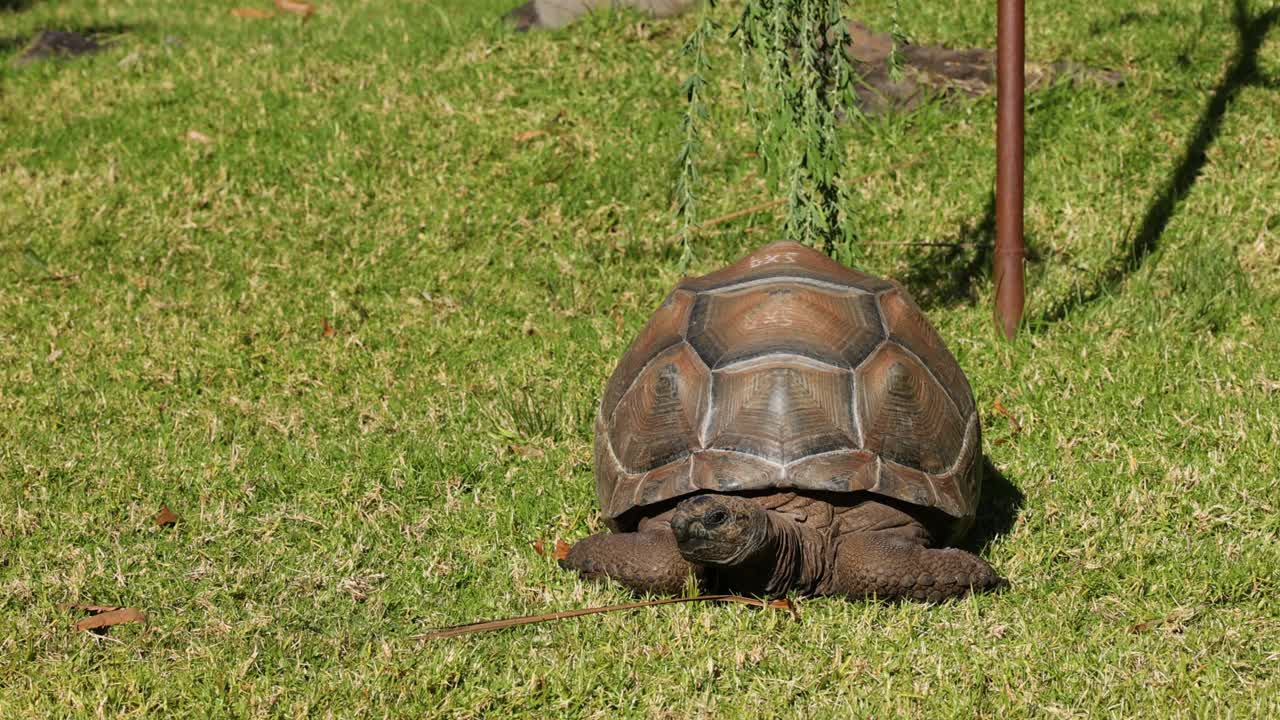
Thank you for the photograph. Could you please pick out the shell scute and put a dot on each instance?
(782, 411)
(906, 416)
(657, 420)
(835, 327)
(665, 329)
(787, 371)
(909, 328)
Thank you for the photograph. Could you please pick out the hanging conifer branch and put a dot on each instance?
(793, 51)
(694, 91)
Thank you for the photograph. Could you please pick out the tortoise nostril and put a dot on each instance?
(680, 526)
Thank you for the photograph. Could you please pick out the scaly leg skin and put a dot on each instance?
(885, 565)
(646, 562)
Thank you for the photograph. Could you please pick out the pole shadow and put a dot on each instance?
(1243, 72)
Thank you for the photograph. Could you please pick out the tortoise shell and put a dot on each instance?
(787, 371)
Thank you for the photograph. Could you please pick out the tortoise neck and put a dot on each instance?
(793, 558)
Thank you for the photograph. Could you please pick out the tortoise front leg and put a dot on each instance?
(886, 565)
(646, 562)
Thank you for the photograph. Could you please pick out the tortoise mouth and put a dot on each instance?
(717, 530)
(691, 533)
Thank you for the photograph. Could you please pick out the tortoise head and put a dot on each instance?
(720, 530)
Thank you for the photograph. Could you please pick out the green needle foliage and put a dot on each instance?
(695, 113)
(797, 84)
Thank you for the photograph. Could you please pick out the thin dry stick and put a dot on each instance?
(456, 630)
(919, 243)
(771, 204)
(768, 205)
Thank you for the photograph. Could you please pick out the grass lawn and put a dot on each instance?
(353, 330)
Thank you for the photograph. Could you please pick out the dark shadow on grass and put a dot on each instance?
(13, 42)
(949, 275)
(952, 273)
(998, 509)
(103, 34)
(15, 5)
(1124, 19)
(1242, 73)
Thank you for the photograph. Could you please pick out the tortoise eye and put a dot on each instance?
(715, 518)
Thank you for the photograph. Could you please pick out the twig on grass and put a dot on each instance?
(777, 202)
(467, 629)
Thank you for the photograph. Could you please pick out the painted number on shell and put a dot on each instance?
(786, 257)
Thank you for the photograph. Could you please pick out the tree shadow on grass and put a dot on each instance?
(998, 509)
(952, 272)
(1243, 72)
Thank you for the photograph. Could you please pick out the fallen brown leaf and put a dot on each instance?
(456, 630)
(166, 517)
(328, 330)
(252, 13)
(299, 8)
(1013, 421)
(1175, 621)
(528, 452)
(197, 136)
(562, 550)
(100, 621)
(539, 548)
(528, 135)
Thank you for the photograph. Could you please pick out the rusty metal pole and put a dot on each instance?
(1010, 253)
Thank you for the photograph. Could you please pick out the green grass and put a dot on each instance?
(162, 314)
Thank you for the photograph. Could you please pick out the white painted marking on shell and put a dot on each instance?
(783, 257)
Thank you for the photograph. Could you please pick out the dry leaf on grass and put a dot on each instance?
(528, 452)
(252, 13)
(327, 330)
(562, 550)
(1013, 421)
(539, 548)
(197, 136)
(1175, 621)
(528, 135)
(166, 517)
(102, 617)
(300, 8)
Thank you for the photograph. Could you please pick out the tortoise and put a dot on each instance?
(787, 425)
